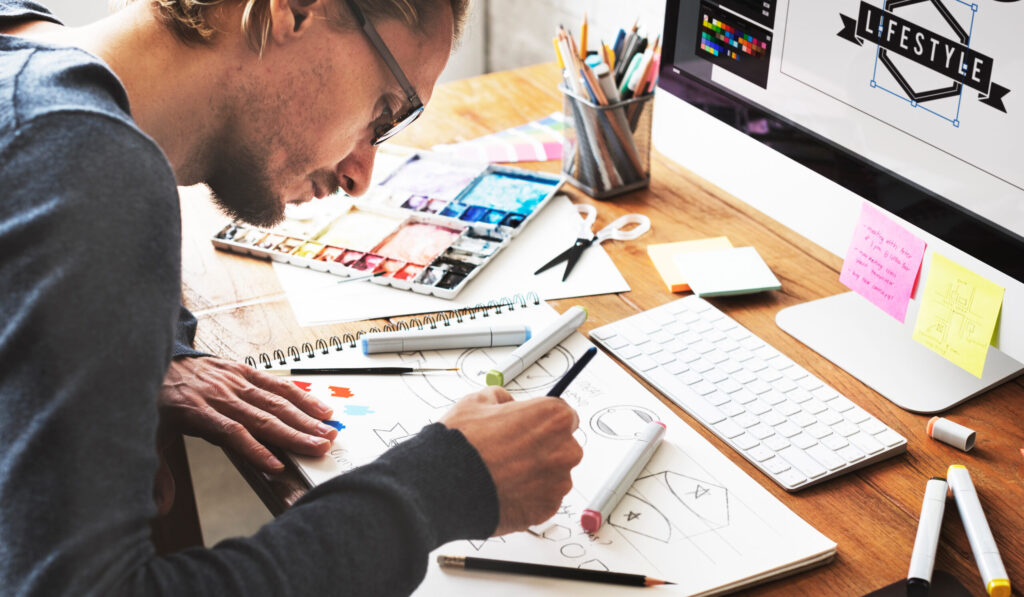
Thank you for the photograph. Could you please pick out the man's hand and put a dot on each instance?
(528, 448)
(234, 405)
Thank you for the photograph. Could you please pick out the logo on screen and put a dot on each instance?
(924, 54)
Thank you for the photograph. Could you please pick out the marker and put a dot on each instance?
(922, 560)
(558, 388)
(951, 433)
(986, 554)
(545, 570)
(441, 339)
(623, 477)
(537, 346)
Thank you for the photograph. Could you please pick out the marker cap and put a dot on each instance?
(590, 520)
(495, 378)
(999, 587)
(951, 433)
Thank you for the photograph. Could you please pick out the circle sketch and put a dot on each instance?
(621, 422)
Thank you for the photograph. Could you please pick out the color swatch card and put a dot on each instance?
(725, 272)
(663, 257)
(958, 315)
(537, 141)
(430, 225)
(883, 262)
(692, 516)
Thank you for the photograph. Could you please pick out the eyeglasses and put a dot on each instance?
(384, 132)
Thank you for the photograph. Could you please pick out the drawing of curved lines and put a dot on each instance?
(621, 422)
(636, 515)
(439, 390)
(706, 500)
(475, 363)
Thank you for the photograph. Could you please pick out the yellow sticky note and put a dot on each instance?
(662, 255)
(958, 315)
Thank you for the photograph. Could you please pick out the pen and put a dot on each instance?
(355, 370)
(922, 560)
(979, 535)
(440, 339)
(603, 576)
(558, 388)
(537, 346)
(611, 493)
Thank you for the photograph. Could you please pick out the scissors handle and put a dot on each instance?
(616, 230)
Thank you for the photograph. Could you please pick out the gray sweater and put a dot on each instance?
(89, 318)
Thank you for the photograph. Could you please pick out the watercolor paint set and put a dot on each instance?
(429, 226)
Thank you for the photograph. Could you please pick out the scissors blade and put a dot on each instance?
(564, 255)
(574, 255)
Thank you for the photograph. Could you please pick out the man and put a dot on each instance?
(270, 102)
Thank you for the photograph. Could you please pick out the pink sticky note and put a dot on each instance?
(882, 262)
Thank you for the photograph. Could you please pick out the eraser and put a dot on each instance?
(590, 520)
(951, 433)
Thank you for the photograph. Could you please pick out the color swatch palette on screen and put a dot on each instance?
(720, 39)
(537, 141)
(430, 226)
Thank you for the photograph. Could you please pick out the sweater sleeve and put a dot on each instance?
(185, 335)
(88, 318)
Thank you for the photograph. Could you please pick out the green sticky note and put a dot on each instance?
(958, 315)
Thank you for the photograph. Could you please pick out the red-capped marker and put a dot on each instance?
(611, 493)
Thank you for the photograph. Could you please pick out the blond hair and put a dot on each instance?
(190, 19)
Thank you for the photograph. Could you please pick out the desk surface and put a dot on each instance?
(871, 513)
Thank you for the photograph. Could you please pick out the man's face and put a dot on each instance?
(304, 116)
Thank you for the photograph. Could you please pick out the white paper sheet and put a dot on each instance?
(317, 298)
(692, 516)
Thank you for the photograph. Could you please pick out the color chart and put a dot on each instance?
(537, 141)
(430, 226)
(734, 43)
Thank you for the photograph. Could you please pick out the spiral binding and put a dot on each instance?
(433, 322)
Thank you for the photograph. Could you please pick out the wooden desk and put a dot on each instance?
(872, 513)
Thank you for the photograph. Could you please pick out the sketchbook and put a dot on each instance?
(692, 517)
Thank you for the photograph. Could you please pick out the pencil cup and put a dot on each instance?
(607, 149)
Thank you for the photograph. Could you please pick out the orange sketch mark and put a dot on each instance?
(339, 392)
(303, 385)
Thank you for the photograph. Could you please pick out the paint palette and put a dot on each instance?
(430, 226)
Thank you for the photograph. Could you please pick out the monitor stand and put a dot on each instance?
(879, 351)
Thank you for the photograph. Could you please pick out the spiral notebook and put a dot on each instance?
(692, 516)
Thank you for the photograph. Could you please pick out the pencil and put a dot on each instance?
(583, 38)
(602, 576)
(354, 370)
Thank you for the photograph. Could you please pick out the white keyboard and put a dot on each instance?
(785, 421)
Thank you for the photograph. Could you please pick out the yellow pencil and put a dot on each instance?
(558, 52)
(609, 56)
(583, 38)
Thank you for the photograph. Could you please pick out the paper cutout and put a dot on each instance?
(882, 262)
(958, 315)
(303, 385)
(340, 392)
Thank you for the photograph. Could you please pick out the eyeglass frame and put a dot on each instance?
(416, 107)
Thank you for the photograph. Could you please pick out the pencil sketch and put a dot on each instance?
(573, 550)
(393, 436)
(694, 506)
(594, 564)
(621, 422)
(478, 544)
(557, 532)
(638, 516)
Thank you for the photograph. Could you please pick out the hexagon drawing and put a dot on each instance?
(925, 95)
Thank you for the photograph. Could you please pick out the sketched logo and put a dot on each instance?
(927, 50)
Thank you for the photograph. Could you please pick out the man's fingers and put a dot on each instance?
(231, 434)
(305, 401)
(286, 412)
(276, 421)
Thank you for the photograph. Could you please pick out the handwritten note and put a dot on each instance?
(958, 315)
(882, 262)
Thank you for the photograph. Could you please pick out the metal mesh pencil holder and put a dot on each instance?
(607, 149)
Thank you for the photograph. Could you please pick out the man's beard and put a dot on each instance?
(241, 189)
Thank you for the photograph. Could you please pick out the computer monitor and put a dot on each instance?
(807, 108)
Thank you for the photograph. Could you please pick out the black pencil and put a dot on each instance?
(603, 576)
(354, 370)
(571, 374)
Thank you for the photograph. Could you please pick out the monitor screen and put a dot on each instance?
(915, 105)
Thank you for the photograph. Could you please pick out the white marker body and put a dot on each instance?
(441, 339)
(539, 345)
(613, 490)
(983, 544)
(922, 561)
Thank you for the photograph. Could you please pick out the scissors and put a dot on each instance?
(614, 231)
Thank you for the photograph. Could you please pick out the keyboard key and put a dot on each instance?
(802, 462)
(744, 396)
(776, 442)
(664, 358)
(743, 376)
(633, 335)
(728, 429)
(745, 419)
(676, 368)
(690, 377)
(716, 376)
(775, 398)
(717, 356)
(731, 409)
(688, 356)
(819, 430)
(732, 368)
(830, 417)
(755, 364)
(651, 348)
(866, 443)
(788, 408)
(772, 418)
(804, 419)
(627, 352)
(603, 333)
(613, 342)
(714, 336)
(857, 415)
(702, 366)
(825, 393)
(814, 406)
(761, 431)
(850, 454)
(702, 388)
(799, 395)
(760, 453)
(828, 458)
(717, 398)
(810, 383)
(841, 404)
(775, 465)
(727, 345)
(642, 363)
(646, 325)
(745, 442)
(784, 385)
(770, 375)
(890, 438)
(703, 347)
(874, 426)
(835, 442)
(674, 346)
(758, 387)
(788, 429)
(758, 407)
(803, 440)
(791, 478)
(662, 337)
(729, 385)
(845, 428)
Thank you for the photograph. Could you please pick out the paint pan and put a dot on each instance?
(520, 193)
(391, 266)
(350, 258)
(513, 220)
(417, 242)
(461, 264)
(435, 206)
(360, 229)
(473, 213)
(369, 263)
(451, 280)
(228, 232)
(246, 236)
(309, 250)
(431, 276)
(453, 210)
(433, 176)
(288, 245)
(416, 202)
(476, 246)
(270, 241)
(330, 254)
(493, 216)
(409, 272)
